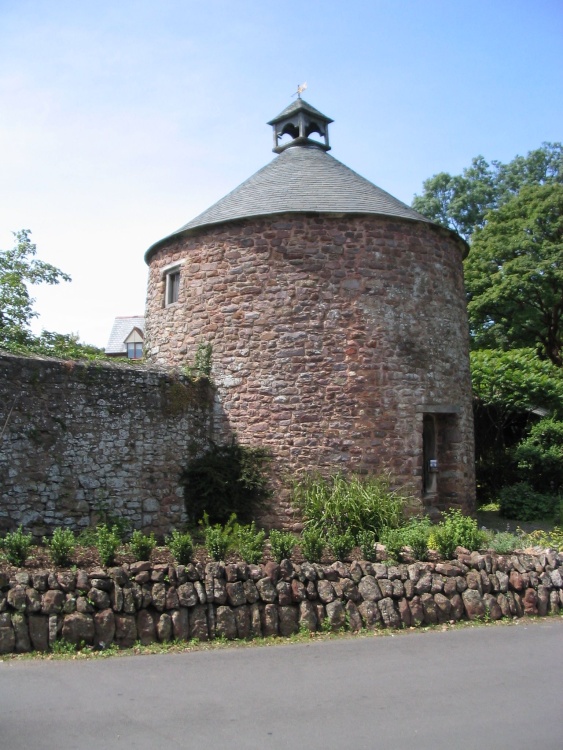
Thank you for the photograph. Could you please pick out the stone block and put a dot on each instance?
(78, 628)
(104, 628)
(125, 630)
(7, 634)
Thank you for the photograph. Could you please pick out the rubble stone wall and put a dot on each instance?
(78, 437)
(147, 603)
(332, 338)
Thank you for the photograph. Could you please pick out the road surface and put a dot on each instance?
(483, 688)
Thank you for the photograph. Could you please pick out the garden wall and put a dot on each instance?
(80, 436)
(146, 603)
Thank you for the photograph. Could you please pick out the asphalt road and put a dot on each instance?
(484, 688)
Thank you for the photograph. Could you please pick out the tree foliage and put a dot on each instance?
(540, 456)
(512, 391)
(516, 381)
(514, 274)
(18, 268)
(461, 202)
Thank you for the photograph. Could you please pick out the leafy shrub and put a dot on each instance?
(546, 539)
(504, 542)
(61, 546)
(248, 542)
(416, 534)
(218, 538)
(181, 546)
(281, 544)
(522, 502)
(366, 542)
(394, 541)
(349, 503)
(107, 517)
(203, 360)
(312, 544)
(457, 530)
(142, 545)
(108, 541)
(340, 544)
(226, 480)
(507, 387)
(540, 456)
(16, 546)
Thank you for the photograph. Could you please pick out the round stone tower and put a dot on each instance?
(337, 318)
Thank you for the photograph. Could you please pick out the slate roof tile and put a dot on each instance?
(121, 329)
(300, 180)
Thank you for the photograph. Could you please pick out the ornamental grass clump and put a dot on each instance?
(61, 546)
(349, 503)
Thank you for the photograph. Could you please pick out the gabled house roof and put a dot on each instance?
(122, 329)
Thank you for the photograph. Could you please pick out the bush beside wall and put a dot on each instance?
(147, 603)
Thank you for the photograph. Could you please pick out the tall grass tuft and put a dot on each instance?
(349, 503)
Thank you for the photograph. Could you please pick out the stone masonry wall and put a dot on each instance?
(77, 436)
(332, 338)
(146, 603)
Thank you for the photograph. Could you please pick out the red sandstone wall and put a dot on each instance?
(331, 337)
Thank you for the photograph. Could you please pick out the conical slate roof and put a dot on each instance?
(300, 180)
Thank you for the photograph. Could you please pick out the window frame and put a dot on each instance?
(137, 347)
(172, 279)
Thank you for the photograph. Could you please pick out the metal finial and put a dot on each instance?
(300, 89)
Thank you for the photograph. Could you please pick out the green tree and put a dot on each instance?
(516, 381)
(540, 456)
(514, 274)
(512, 390)
(18, 269)
(461, 202)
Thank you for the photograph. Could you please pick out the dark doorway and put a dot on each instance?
(429, 457)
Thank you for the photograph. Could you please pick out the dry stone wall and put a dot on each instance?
(148, 603)
(332, 338)
(78, 437)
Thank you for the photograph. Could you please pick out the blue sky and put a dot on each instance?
(120, 121)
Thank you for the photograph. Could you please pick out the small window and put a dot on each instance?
(172, 287)
(135, 350)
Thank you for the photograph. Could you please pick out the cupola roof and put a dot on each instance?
(300, 120)
(303, 178)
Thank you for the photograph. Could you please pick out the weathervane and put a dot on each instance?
(300, 89)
